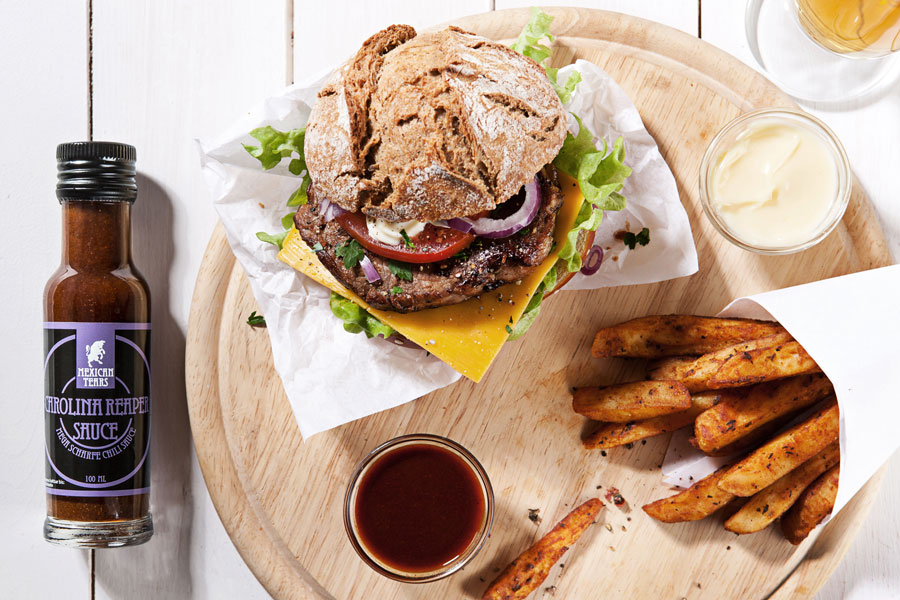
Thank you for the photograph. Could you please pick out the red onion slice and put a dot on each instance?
(369, 269)
(592, 261)
(329, 210)
(460, 224)
(501, 228)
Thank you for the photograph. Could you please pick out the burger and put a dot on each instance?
(429, 157)
(443, 196)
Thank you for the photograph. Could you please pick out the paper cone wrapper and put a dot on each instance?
(850, 326)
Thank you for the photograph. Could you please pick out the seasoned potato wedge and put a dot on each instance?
(611, 435)
(631, 401)
(697, 374)
(816, 503)
(770, 503)
(782, 454)
(671, 335)
(748, 442)
(742, 411)
(763, 364)
(668, 368)
(698, 501)
(526, 573)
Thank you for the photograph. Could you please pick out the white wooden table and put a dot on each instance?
(158, 74)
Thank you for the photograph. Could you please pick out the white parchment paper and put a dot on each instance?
(850, 326)
(332, 377)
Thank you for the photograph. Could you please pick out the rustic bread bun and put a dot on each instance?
(435, 126)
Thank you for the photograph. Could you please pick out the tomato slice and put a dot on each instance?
(432, 245)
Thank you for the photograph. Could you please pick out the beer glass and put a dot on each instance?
(826, 51)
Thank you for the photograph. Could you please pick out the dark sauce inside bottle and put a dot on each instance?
(418, 508)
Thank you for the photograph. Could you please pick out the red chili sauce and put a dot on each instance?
(418, 508)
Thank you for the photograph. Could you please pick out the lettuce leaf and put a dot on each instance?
(275, 146)
(537, 28)
(566, 90)
(600, 176)
(534, 305)
(529, 44)
(356, 319)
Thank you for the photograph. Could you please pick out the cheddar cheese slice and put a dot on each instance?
(467, 336)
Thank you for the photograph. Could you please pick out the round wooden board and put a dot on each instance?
(280, 497)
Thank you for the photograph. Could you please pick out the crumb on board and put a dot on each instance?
(613, 495)
(534, 515)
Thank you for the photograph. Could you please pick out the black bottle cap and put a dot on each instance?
(98, 171)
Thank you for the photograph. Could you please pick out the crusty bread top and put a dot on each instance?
(440, 125)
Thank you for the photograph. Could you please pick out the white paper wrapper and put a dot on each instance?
(332, 377)
(849, 325)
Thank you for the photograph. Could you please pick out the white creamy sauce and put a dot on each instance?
(775, 185)
(389, 233)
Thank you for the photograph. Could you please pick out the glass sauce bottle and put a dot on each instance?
(96, 364)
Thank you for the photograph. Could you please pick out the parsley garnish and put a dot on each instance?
(462, 255)
(351, 252)
(508, 329)
(317, 247)
(276, 239)
(631, 239)
(255, 320)
(406, 241)
(400, 270)
(396, 290)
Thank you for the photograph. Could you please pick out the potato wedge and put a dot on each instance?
(669, 368)
(815, 503)
(783, 454)
(631, 401)
(526, 573)
(749, 442)
(742, 411)
(696, 375)
(698, 501)
(671, 335)
(611, 435)
(772, 502)
(763, 364)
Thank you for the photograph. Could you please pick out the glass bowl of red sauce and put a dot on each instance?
(418, 508)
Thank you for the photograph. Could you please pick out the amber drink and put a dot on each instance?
(864, 28)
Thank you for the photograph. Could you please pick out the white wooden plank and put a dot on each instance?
(328, 33)
(680, 14)
(866, 129)
(43, 58)
(166, 72)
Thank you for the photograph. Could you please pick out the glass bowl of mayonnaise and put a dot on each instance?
(775, 181)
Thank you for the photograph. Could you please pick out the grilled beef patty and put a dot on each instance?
(485, 265)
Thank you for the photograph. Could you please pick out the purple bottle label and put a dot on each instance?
(97, 408)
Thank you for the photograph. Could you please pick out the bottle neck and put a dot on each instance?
(96, 235)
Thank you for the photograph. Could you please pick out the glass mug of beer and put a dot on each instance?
(826, 51)
(856, 28)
